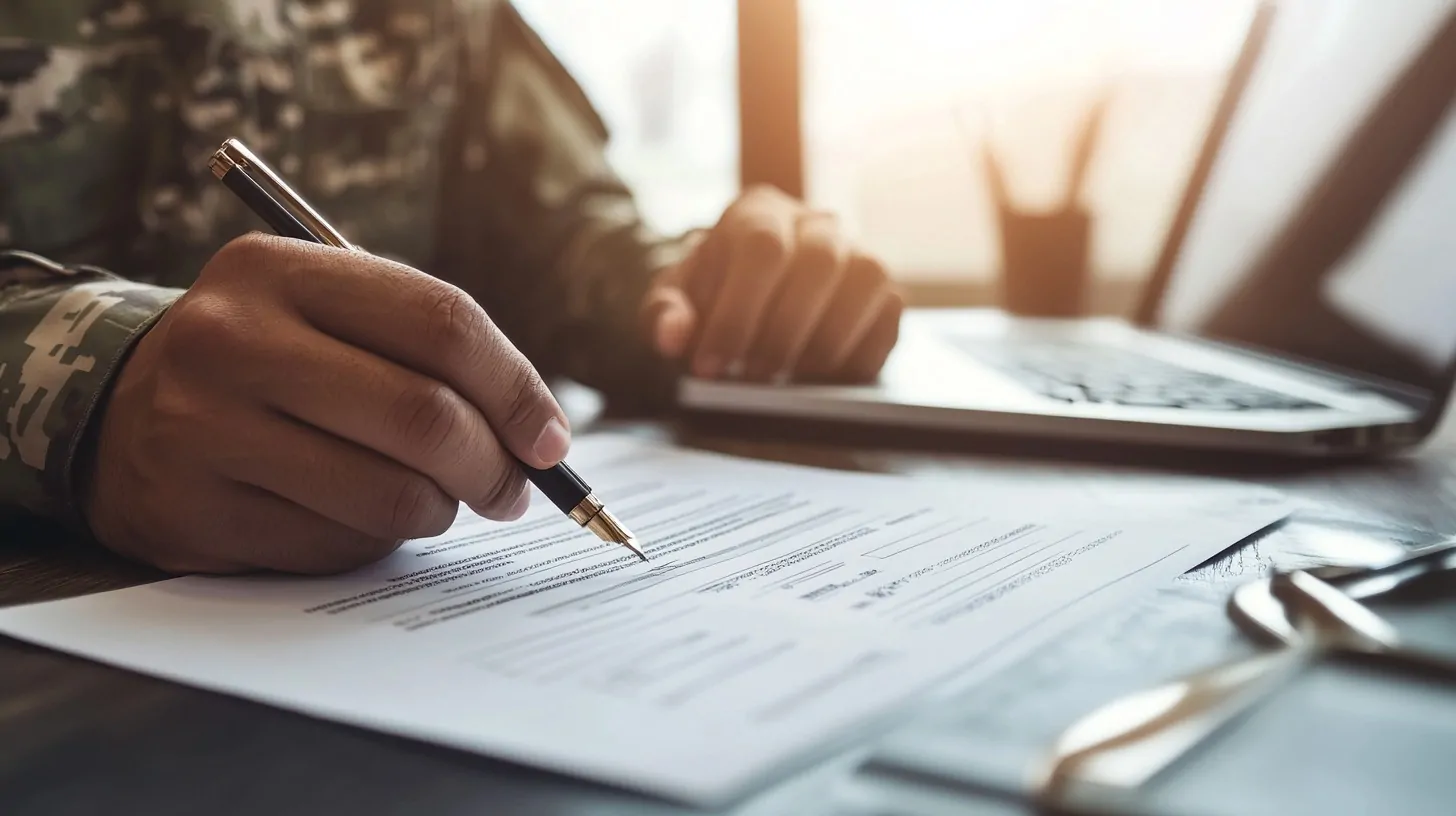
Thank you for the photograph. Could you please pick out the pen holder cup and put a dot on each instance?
(1044, 261)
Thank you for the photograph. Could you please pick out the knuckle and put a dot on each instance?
(871, 271)
(203, 325)
(416, 509)
(453, 319)
(180, 417)
(255, 252)
(818, 258)
(762, 191)
(425, 417)
(765, 246)
(245, 247)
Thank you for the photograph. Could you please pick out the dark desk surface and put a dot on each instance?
(78, 737)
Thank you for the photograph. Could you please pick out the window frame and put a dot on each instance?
(770, 105)
(771, 137)
(771, 149)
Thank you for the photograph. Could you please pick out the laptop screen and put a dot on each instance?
(1326, 229)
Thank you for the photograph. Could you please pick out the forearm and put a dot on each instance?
(64, 332)
(536, 224)
(577, 312)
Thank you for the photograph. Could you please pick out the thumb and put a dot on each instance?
(670, 318)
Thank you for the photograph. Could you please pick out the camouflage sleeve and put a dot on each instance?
(64, 331)
(537, 225)
(65, 325)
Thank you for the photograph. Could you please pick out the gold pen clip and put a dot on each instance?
(233, 155)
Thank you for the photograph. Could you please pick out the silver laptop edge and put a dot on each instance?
(934, 379)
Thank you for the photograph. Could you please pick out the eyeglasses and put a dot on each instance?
(1106, 757)
(1263, 617)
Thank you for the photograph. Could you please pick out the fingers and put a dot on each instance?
(774, 293)
(670, 318)
(253, 530)
(865, 362)
(336, 479)
(423, 324)
(853, 311)
(813, 274)
(702, 274)
(265, 531)
(760, 232)
(422, 424)
(306, 409)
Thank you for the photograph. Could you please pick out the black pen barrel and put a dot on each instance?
(277, 216)
(560, 484)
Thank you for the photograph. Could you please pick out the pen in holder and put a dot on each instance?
(1045, 254)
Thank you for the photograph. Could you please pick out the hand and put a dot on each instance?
(773, 293)
(305, 409)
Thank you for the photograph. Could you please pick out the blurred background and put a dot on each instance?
(893, 102)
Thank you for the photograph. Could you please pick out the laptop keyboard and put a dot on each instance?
(1102, 374)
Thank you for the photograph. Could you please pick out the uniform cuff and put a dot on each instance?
(64, 333)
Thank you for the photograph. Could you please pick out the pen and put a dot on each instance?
(251, 180)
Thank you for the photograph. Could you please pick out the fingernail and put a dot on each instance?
(735, 370)
(552, 444)
(520, 507)
(708, 367)
(782, 378)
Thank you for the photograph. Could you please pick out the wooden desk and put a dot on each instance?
(78, 737)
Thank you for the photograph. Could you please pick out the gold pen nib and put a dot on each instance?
(609, 529)
(631, 544)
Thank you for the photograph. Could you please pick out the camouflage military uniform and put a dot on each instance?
(438, 132)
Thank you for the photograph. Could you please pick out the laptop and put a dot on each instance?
(1304, 301)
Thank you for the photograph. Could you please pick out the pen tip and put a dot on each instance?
(631, 544)
(609, 529)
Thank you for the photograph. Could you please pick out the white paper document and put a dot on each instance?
(785, 611)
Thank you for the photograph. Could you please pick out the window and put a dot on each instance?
(895, 100)
(663, 74)
(898, 96)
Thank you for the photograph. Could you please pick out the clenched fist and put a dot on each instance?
(306, 409)
(775, 292)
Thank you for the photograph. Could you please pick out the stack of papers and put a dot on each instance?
(786, 612)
